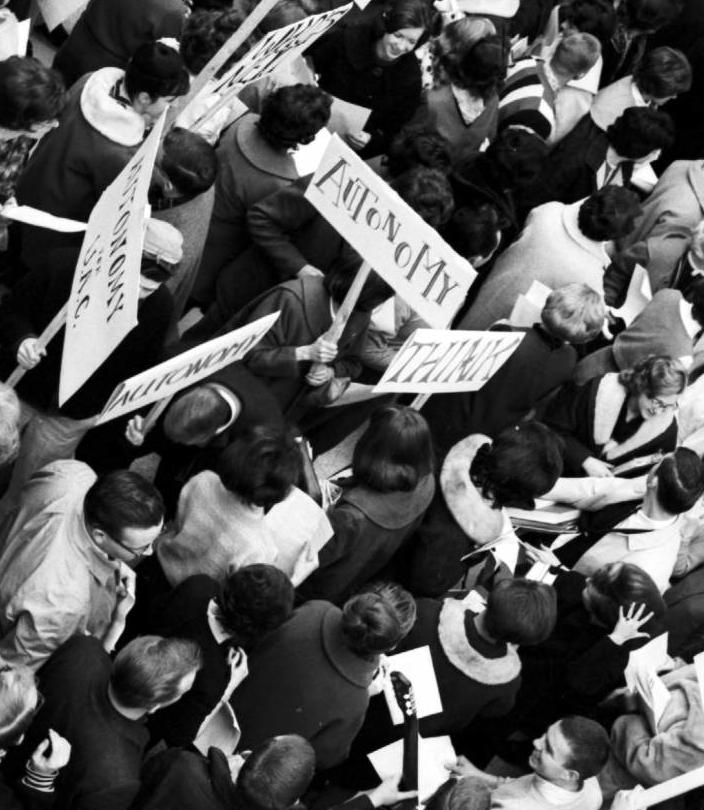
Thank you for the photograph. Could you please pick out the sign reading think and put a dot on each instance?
(403, 249)
(102, 307)
(442, 361)
(185, 369)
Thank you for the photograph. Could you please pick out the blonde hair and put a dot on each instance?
(18, 700)
(9, 424)
(574, 313)
(575, 54)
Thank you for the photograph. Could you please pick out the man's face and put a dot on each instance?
(133, 544)
(550, 756)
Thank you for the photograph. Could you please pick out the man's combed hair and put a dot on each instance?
(122, 500)
(608, 213)
(680, 482)
(589, 745)
(521, 611)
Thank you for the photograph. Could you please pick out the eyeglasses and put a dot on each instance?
(660, 406)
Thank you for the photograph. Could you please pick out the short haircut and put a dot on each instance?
(459, 36)
(403, 602)
(575, 54)
(255, 599)
(649, 15)
(205, 32)
(338, 280)
(157, 70)
(261, 466)
(395, 451)
(121, 500)
(474, 230)
(519, 154)
(655, 376)
(639, 131)
(189, 161)
(371, 624)
(521, 611)
(468, 793)
(9, 424)
(29, 93)
(427, 192)
(407, 14)
(619, 585)
(588, 743)
(662, 73)
(18, 703)
(608, 213)
(148, 672)
(418, 145)
(196, 415)
(574, 313)
(277, 773)
(481, 69)
(595, 17)
(680, 482)
(293, 115)
(523, 463)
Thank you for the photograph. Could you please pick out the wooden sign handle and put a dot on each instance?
(419, 400)
(154, 413)
(342, 315)
(53, 327)
(670, 789)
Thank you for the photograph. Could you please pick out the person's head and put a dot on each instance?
(646, 16)
(418, 145)
(468, 793)
(276, 773)
(154, 77)
(9, 424)
(459, 36)
(402, 28)
(31, 95)
(519, 155)
(571, 750)
(293, 115)
(188, 163)
(19, 703)
(574, 313)
(520, 611)
(676, 482)
(204, 33)
(575, 55)
(619, 585)
(395, 451)
(261, 466)
(608, 213)
(641, 133)
(428, 193)
(152, 672)
(124, 515)
(339, 278)
(255, 599)
(654, 385)
(196, 416)
(474, 232)
(595, 17)
(523, 463)
(374, 623)
(285, 12)
(479, 69)
(662, 74)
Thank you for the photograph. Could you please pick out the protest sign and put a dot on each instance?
(185, 369)
(403, 249)
(102, 307)
(443, 361)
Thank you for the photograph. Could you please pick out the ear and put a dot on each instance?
(142, 100)
(98, 536)
(572, 776)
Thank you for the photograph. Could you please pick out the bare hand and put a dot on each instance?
(463, 767)
(30, 353)
(48, 763)
(628, 625)
(596, 468)
(125, 593)
(388, 793)
(322, 351)
(319, 374)
(357, 140)
(309, 270)
(542, 555)
(134, 432)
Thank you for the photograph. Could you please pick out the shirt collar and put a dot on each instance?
(232, 404)
(217, 628)
(553, 794)
(102, 567)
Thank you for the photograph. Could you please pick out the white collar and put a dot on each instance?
(552, 793)
(232, 404)
(637, 95)
(217, 628)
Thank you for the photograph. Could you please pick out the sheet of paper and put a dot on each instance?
(654, 697)
(347, 118)
(638, 296)
(651, 657)
(33, 216)
(526, 311)
(417, 666)
(475, 602)
(433, 755)
(307, 158)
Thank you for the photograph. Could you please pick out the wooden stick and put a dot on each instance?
(53, 327)
(342, 315)
(671, 788)
(419, 400)
(155, 412)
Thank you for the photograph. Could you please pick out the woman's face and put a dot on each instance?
(653, 406)
(398, 43)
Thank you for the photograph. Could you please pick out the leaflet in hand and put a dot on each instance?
(433, 755)
(417, 666)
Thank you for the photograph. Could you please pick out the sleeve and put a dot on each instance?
(111, 797)
(275, 354)
(20, 309)
(592, 494)
(665, 245)
(568, 415)
(25, 797)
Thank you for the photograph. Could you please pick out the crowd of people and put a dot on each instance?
(191, 615)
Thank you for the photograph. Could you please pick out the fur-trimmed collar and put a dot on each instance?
(115, 120)
(461, 654)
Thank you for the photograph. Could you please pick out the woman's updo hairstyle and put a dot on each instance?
(405, 14)
(373, 623)
(655, 376)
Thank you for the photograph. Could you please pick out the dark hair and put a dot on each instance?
(695, 296)
(524, 462)
(619, 585)
(663, 72)
(481, 69)
(472, 231)
(293, 115)
(285, 12)
(189, 161)
(122, 500)
(29, 93)
(149, 670)
(157, 70)
(277, 773)
(608, 213)
(402, 601)
(656, 375)
(679, 481)
(372, 624)
(407, 14)
(196, 415)
(428, 193)
(261, 466)
(521, 611)
(589, 745)
(395, 451)
(519, 155)
(418, 145)
(255, 600)
(341, 273)
(595, 17)
(640, 130)
(649, 15)
(205, 32)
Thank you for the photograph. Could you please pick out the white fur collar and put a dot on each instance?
(463, 656)
(115, 121)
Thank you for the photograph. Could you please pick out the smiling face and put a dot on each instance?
(397, 43)
(551, 755)
(649, 407)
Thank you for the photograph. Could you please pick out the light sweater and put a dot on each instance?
(532, 792)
